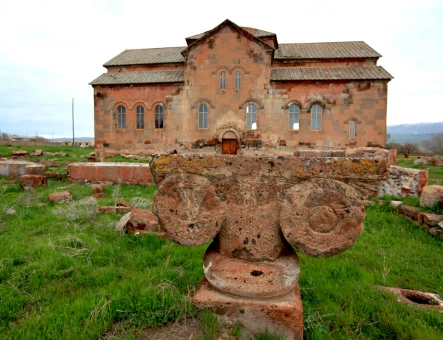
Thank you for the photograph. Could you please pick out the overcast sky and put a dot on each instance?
(51, 50)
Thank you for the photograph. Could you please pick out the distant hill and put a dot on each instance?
(413, 133)
(77, 139)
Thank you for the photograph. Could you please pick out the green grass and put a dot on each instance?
(69, 275)
(54, 162)
(435, 172)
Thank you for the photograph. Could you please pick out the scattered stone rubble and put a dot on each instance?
(433, 223)
(61, 197)
(255, 209)
(431, 195)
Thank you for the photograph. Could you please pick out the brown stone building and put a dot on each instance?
(233, 89)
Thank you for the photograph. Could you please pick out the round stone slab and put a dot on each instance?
(321, 217)
(259, 279)
(188, 209)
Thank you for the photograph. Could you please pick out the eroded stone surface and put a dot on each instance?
(281, 315)
(404, 182)
(60, 197)
(263, 279)
(29, 182)
(321, 217)
(188, 209)
(252, 207)
(432, 194)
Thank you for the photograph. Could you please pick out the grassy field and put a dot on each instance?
(435, 172)
(66, 274)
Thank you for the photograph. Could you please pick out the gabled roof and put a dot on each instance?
(330, 73)
(148, 56)
(218, 28)
(254, 31)
(149, 77)
(333, 50)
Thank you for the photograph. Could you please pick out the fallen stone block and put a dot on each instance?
(122, 203)
(34, 169)
(130, 173)
(14, 168)
(19, 152)
(395, 204)
(37, 152)
(431, 219)
(97, 188)
(409, 211)
(60, 197)
(420, 161)
(436, 231)
(143, 220)
(432, 194)
(436, 162)
(53, 175)
(115, 210)
(100, 195)
(59, 153)
(29, 182)
(404, 182)
(139, 221)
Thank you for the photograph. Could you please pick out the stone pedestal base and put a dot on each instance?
(279, 315)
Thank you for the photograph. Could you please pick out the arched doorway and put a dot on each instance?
(229, 143)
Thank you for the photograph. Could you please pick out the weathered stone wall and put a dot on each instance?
(131, 173)
(12, 168)
(363, 102)
(131, 139)
(404, 182)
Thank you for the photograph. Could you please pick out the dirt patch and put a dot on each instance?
(178, 330)
(186, 329)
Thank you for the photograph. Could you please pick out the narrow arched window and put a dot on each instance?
(140, 117)
(159, 117)
(238, 80)
(121, 117)
(222, 80)
(251, 117)
(316, 112)
(352, 129)
(203, 116)
(294, 111)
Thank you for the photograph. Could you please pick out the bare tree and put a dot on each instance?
(407, 149)
(435, 144)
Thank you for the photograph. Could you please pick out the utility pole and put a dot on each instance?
(73, 140)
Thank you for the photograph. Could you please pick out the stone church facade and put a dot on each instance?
(234, 89)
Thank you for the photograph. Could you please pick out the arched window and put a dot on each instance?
(159, 117)
(121, 117)
(352, 129)
(203, 116)
(238, 80)
(223, 80)
(316, 111)
(140, 117)
(294, 111)
(251, 117)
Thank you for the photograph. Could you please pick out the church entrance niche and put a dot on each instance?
(229, 143)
